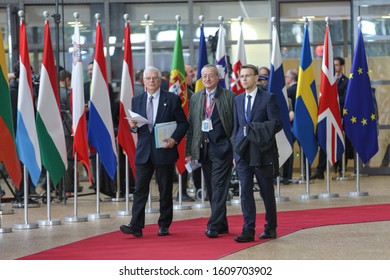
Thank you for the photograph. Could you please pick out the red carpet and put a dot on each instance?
(187, 241)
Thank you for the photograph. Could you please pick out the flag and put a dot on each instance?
(221, 60)
(125, 137)
(238, 62)
(8, 154)
(26, 131)
(48, 120)
(177, 84)
(277, 85)
(79, 120)
(100, 127)
(329, 130)
(148, 46)
(359, 117)
(202, 60)
(306, 107)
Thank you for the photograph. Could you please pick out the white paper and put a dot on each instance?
(138, 118)
(192, 165)
(163, 131)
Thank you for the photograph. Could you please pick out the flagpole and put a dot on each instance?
(26, 224)
(357, 192)
(307, 195)
(127, 211)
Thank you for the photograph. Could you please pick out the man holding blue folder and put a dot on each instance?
(158, 106)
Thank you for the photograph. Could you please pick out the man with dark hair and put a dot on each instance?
(256, 121)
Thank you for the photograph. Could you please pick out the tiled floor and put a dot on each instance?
(356, 241)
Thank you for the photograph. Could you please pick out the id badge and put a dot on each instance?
(207, 125)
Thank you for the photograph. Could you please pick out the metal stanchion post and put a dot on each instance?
(75, 218)
(358, 192)
(307, 195)
(49, 221)
(302, 180)
(26, 224)
(181, 206)
(98, 215)
(127, 211)
(117, 197)
(150, 209)
(327, 194)
(279, 197)
(203, 204)
(4, 229)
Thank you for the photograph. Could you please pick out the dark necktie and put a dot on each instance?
(248, 109)
(149, 113)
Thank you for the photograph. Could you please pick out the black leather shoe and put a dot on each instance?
(131, 229)
(185, 197)
(246, 236)
(268, 234)
(163, 231)
(211, 233)
(317, 176)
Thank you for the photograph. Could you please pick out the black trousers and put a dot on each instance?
(164, 177)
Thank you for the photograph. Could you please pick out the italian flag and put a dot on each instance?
(49, 125)
(8, 154)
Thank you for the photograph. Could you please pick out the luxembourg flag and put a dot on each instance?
(49, 124)
(125, 137)
(238, 62)
(330, 132)
(79, 121)
(26, 134)
(277, 85)
(220, 56)
(100, 128)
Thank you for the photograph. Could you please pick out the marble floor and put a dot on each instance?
(366, 241)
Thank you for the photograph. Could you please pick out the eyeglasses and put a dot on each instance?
(246, 76)
(151, 78)
(210, 76)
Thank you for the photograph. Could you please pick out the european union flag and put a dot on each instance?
(359, 117)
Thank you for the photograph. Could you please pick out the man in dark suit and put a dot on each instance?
(209, 140)
(256, 122)
(158, 106)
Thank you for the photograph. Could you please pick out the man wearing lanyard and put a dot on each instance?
(256, 121)
(209, 140)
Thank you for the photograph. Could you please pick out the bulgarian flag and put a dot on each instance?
(177, 84)
(125, 137)
(8, 154)
(79, 121)
(49, 124)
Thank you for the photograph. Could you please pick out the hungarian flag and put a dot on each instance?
(238, 62)
(79, 121)
(8, 154)
(125, 137)
(26, 131)
(306, 107)
(49, 124)
(177, 84)
(101, 128)
(329, 130)
(202, 60)
(221, 59)
(277, 85)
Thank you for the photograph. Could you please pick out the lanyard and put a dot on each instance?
(209, 110)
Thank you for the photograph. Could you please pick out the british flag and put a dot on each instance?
(329, 130)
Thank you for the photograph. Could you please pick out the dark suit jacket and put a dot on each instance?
(169, 109)
(342, 85)
(291, 93)
(266, 120)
